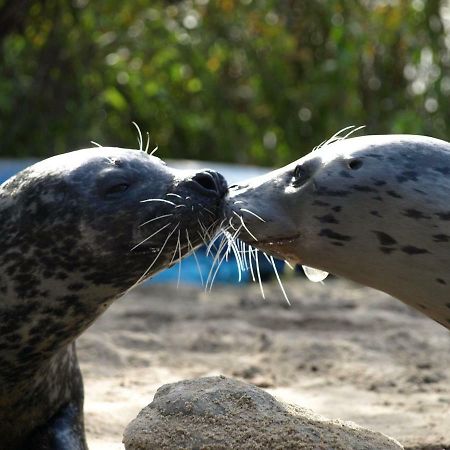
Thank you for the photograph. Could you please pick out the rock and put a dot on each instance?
(222, 413)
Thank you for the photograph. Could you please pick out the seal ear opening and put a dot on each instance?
(355, 164)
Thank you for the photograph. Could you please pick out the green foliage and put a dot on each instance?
(232, 80)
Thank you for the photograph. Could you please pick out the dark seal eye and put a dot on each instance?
(354, 164)
(117, 188)
(299, 176)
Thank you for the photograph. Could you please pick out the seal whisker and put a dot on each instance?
(174, 253)
(224, 257)
(140, 141)
(209, 211)
(250, 259)
(158, 200)
(148, 142)
(279, 279)
(157, 256)
(149, 237)
(154, 151)
(259, 273)
(174, 195)
(233, 246)
(252, 213)
(155, 218)
(215, 260)
(245, 226)
(356, 129)
(96, 144)
(289, 265)
(223, 242)
(179, 254)
(189, 243)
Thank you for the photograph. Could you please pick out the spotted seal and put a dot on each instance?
(373, 209)
(79, 230)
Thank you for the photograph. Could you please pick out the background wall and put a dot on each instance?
(260, 81)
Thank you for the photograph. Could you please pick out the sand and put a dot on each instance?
(345, 351)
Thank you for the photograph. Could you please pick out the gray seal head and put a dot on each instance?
(77, 231)
(374, 209)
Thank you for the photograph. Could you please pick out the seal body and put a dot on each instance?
(374, 209)
(77, 231)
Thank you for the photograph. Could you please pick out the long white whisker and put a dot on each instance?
(140, 141)
(96, 144)
(155, 218)
(250, 258)
(289, 265)
(149, 237)
(148, 142)
(195, 256)
(245, 226)
(259, 274)
(158, 200)
(353, 131)
(222, 244)
(279, 280)
(154, 151)
(156, 258)
(179, 263)
(174, 195)
(252, 213)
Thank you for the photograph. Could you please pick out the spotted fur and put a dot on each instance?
(67, 229)
(373, 209)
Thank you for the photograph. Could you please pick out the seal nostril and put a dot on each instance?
(211, 181)
(205, 180)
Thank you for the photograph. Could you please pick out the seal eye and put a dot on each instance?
(117, 188)
(299, 176)
(354, 164)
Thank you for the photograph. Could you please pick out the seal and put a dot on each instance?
(78, 231)
(373, 209)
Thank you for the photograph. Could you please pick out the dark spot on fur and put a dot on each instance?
(336, 208)
(76, 286)
(407, 175)
(422, 306)
(411, 250)
(320, 203)
(387, 250)
(379, 183)
(328, 218)
(442, 170)
(380, 199)
(326, 232)
(358, 187)
(440, 281)
(443, 215)
(337, 244)
(323, 191)
(415, 214)
(345, 174)
(441, 237)
(447, 305)
(376, 213)
(393, 194)
(384, 238)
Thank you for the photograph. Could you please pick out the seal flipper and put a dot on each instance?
(65, 431)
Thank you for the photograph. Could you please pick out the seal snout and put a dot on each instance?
(211, 182)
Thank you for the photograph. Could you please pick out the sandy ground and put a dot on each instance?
(342, 350)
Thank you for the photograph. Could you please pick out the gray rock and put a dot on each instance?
(222, 413)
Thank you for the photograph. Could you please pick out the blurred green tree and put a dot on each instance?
(233, 80)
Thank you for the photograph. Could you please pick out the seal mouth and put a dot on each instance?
(279, 240)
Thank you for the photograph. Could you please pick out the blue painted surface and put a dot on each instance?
(189, 273)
